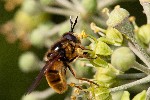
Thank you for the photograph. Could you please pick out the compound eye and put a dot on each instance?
(70, 37)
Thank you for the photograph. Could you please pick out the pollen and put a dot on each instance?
(72, 84)
(82, 35)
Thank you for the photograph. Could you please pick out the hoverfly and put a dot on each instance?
(57, 60)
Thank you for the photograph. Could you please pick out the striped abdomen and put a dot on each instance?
(55, 77)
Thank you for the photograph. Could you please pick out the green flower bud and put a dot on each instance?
(114, 35)
(118, 19)
(28, 62)
(100, 93)
(140, 96)
(123, 58)
(31, 7)
(106, 75)
(103, 78)
(125, 96)
(90, 5)
(117, 95)
(144, 34)
(117, 16)
(26, 22)
(109, 71)
(39, 35)
(100, 48)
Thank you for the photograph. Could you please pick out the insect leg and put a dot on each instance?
(80, 46)
(74, 85)
(84, 54)
(83, 79)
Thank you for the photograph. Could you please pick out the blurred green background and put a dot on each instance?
(13, 82)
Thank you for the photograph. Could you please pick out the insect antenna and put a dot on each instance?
(73, 24)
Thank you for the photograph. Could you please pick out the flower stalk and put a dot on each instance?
(146, 7)
(131, 76)
(139, 54)
(128, 85)
(141, 67)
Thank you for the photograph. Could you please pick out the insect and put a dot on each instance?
(57, 60)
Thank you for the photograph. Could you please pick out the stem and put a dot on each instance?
(146, 7)
(79, 6)
(98, 20)
(40, 95)
(141, 67)
(66, 4)
(139, 54)
(97, 29)
(55, 29)
(126, 86)
(105, 3)
(131, 76)
(90, 37)
(59, 11)
(148, 94)
(132, 20)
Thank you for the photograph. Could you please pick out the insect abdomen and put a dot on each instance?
(55, 77)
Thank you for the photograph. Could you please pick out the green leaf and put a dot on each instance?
(98, 62)
(140, 96)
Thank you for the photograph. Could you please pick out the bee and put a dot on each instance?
(57, 59)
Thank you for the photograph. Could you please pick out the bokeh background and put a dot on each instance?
(14, 82)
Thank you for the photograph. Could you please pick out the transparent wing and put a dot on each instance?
(41, 74)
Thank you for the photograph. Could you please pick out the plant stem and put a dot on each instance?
(131, 76)
(99, 20)
(139, 54)
(66, 4)
(141, 67)
(128, 85)
(146, 7)
(148, 94)
(56, 29)
(40, 95)
(97, 29)
(59, 11)
(79, 6)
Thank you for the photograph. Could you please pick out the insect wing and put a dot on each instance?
(41, 74)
